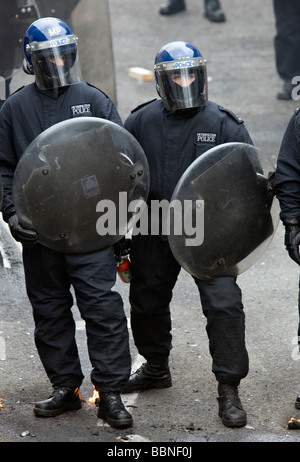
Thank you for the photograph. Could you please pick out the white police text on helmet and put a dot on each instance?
(58, 42)
(183, 64)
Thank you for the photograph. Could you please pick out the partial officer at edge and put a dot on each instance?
(287, 190)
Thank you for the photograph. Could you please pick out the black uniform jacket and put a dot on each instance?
(172, 142)
(30, 111)
(287, 176)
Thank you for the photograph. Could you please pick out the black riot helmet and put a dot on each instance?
(181, 78)
(51, 53)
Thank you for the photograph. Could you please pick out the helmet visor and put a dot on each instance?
(55, 62)
(182, 85)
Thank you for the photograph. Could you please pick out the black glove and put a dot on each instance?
(292, 237)
(27, 237)
(122, 248)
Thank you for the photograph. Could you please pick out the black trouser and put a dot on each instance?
(287, 39)
(49, 275)
(154, 274)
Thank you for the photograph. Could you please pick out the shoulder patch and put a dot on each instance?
(143, 104)
(237, 118)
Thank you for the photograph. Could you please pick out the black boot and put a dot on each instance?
(297, 402)
(286, 91)
(230, 407)
(172, 7)
(213, 11)
(113, 410)
(152, 374)
(62, 399)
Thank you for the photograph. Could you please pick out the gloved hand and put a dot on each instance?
(122, 248)
(292, 237)
(27, 237)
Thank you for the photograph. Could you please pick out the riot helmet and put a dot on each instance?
(181, 78)
(51, 53)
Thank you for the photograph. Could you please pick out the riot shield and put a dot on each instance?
(230, 203)
(75, 182)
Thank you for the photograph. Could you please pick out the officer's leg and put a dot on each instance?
(154, 274)
(49, 294)
(287, 44)
(222, 305)
(48, 291)
(93, 275)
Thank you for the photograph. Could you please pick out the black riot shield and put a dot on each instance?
(76, 183)
(228, 208)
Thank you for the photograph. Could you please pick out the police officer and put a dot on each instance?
(172, 131)
(287, 190)
(212, 9)
(287, 45)
(51, 55)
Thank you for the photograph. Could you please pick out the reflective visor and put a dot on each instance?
(182, 84)
(55, 62)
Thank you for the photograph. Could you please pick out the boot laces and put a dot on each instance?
(113, 399)
(231, 398)
(58, 390)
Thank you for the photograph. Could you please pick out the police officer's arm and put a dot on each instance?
(287, 186)
(8, 163)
